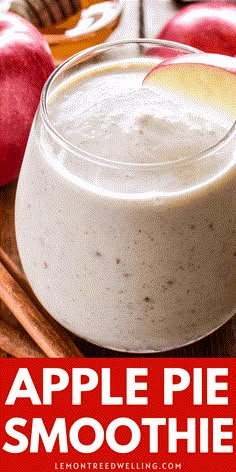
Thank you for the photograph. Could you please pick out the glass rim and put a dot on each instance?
(96, 159)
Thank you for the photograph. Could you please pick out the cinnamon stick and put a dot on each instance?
(13, 269)
(17, 342)
(3, 354)
(17, 295)
(21, 279)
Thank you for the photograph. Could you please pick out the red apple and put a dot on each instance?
(25, 64)
(210, 78)
(209, 27)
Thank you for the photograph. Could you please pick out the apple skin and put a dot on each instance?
(214, 60)
(209, 27)
(25, 64)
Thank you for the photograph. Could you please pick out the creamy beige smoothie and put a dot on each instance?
(126, 229)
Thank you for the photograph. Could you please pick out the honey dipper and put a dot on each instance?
(45, 13)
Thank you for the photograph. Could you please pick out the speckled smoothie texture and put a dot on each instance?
(138, 257)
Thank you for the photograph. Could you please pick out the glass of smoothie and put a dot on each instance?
(126, 204)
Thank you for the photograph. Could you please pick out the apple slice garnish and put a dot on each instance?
(205, 78)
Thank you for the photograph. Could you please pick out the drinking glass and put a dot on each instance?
(132, 256)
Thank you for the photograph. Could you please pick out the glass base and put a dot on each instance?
(160, 350)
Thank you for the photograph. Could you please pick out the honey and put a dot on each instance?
(71, 25)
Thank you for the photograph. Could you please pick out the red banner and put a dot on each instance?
(117, 414)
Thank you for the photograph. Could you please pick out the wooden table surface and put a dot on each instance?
(141, 18)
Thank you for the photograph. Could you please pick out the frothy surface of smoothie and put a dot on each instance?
(121, 120)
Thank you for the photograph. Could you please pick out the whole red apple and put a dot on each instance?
(209, 27)
(25, 64)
